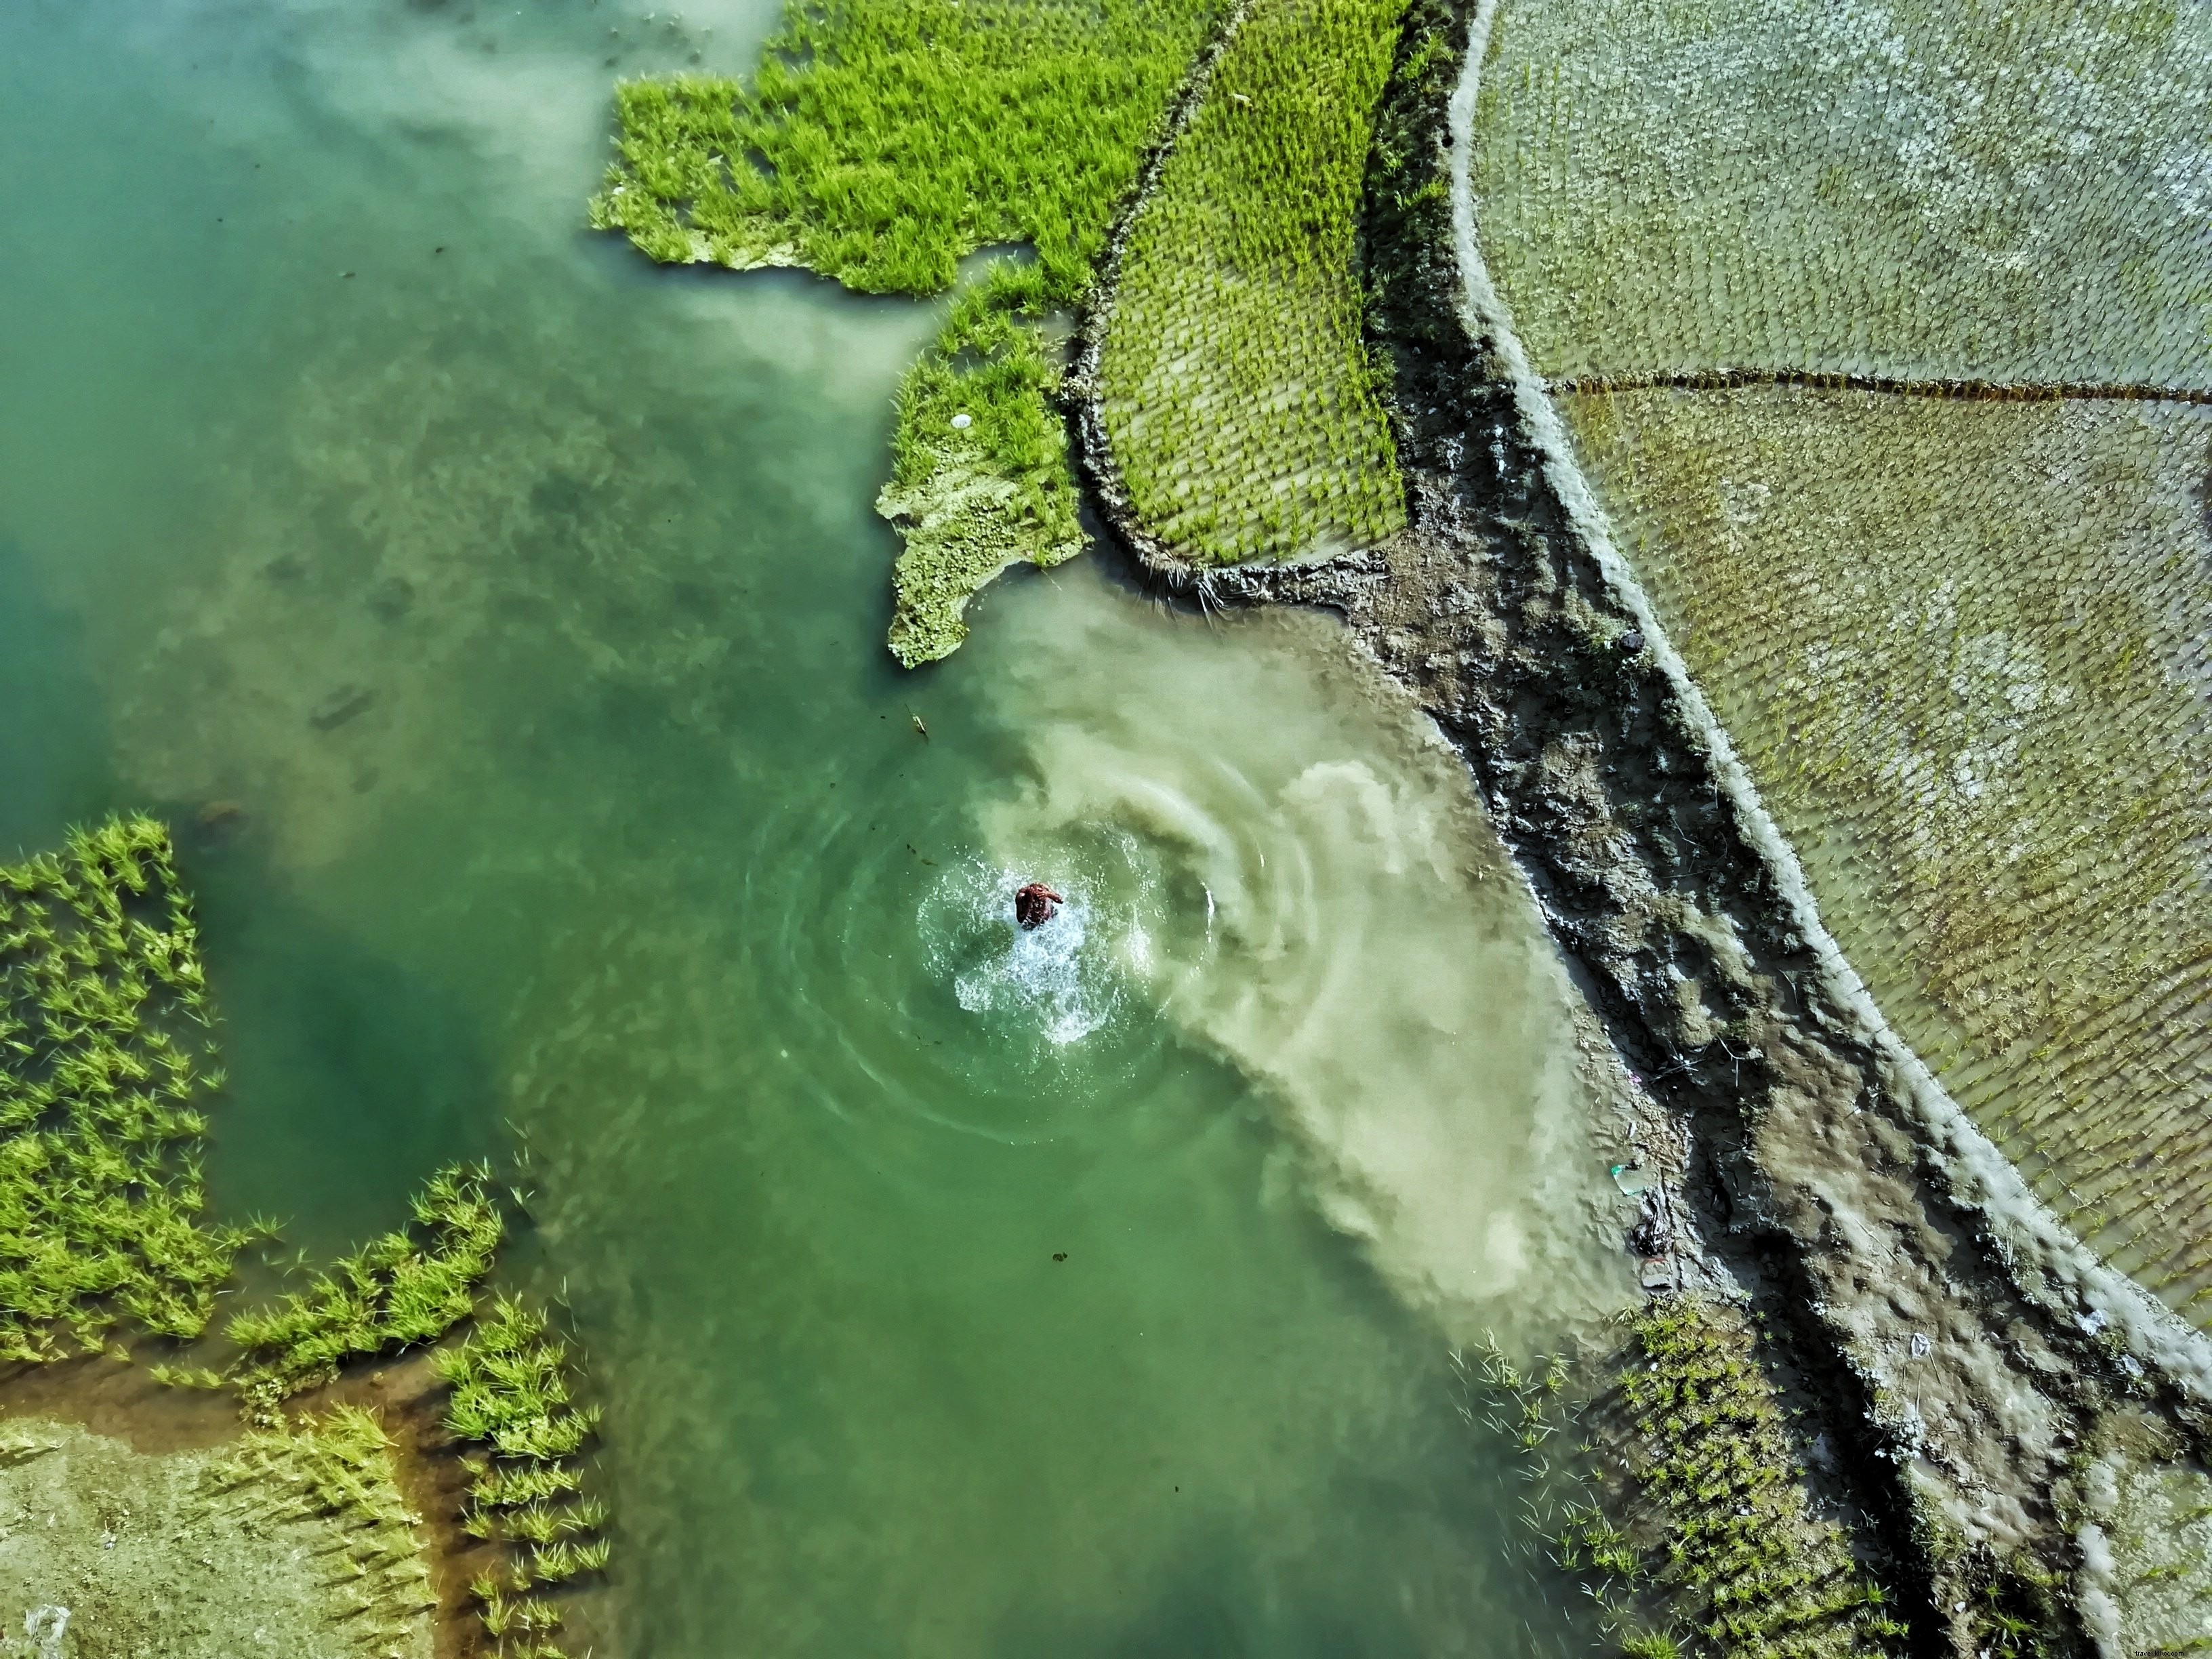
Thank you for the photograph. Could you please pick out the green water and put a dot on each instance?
(500, 622)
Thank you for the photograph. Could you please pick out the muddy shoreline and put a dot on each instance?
(1949, 1386)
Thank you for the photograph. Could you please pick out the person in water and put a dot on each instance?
(1036, 904)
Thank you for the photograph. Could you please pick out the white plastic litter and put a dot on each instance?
(44, 1626)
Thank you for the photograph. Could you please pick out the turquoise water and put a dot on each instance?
(499, 620)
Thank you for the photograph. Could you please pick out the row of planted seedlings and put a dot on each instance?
(1660, 1475)
(509, 1402)
(1236, 386)
(338, 1466)
(105, 1057)
(106, 1054)
(1667, 188)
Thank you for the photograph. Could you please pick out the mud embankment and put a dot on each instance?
(1950, 1386)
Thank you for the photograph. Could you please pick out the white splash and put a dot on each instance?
(1050, 979)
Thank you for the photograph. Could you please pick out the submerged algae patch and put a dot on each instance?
(1961, 646)
(880, 142)
(297, 1542)
(1235, 388)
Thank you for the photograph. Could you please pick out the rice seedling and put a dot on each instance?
(510, 1395)
(396, 1292)
(1237, 310)
(878, 142)
(979, 472)
(105, 1036)
(495, 1486)
(1710, 1530)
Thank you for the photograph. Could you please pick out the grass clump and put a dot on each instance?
(881, 140)
(878, 142)
(105, 1058)
(1709, 1535)
(395, 1292)
(1237, 390)
(511, 1397)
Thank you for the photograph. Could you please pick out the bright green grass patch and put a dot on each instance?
(391, 1294)
(1960, 646)
(104, 1040)
(878, 142)
(883, 140)
(1238, 392)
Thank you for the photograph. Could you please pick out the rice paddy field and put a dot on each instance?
(491, 615)
(2002, 192)
(1236, 391)
(1956, 627)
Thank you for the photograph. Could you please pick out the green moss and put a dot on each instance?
(104, 1050)
(971, 500)
(878, 142)
(1237, 390)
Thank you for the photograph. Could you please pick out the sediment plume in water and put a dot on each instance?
(1306, 886)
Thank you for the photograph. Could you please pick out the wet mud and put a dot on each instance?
(1949, 1386)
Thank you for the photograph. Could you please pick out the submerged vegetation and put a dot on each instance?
(511, 1396)
(878, 142)
(1235, 387)
(1674, 1495)
(104, 1050)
